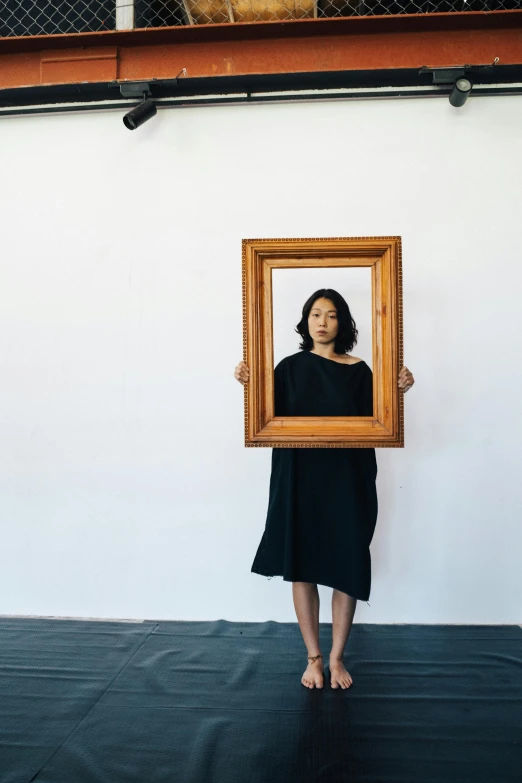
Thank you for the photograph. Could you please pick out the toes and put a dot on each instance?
(312, 681)
(341, 681)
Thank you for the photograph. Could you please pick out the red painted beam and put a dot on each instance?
(303, 46)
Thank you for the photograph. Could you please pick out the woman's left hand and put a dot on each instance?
(406, 379)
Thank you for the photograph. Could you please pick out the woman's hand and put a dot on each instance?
(406, 379)
(242, 373)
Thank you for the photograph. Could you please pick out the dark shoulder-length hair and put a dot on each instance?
(347, 333)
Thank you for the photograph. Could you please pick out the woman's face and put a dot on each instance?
(323, 318)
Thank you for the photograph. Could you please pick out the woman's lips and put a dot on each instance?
(323, 332)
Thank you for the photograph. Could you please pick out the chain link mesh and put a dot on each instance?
(159, 13)
(40, 17)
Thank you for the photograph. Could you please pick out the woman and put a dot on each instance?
(322, 506)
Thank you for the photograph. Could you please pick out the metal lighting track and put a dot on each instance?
(245, 98)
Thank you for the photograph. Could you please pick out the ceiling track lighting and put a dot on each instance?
(144, 110)
(461, 90)
(459, 78)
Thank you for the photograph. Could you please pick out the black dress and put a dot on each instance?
(322, 507)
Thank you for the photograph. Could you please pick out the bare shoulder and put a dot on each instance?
(352, 359)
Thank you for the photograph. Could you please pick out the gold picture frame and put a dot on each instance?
(386, 427)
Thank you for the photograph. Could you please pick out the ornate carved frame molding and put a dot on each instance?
(386, 427)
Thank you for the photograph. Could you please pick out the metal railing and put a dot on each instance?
(40, 17)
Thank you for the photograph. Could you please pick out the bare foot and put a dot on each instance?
(339, 675)
(314, 676)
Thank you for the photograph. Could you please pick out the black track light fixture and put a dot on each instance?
(144, 111)
(461, 90)
(459, 80)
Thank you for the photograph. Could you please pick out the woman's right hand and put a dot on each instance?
(242, 373)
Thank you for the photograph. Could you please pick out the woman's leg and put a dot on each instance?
(343, 610)
(306, 603)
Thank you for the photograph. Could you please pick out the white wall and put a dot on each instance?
(291, 288)
(126, 490)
